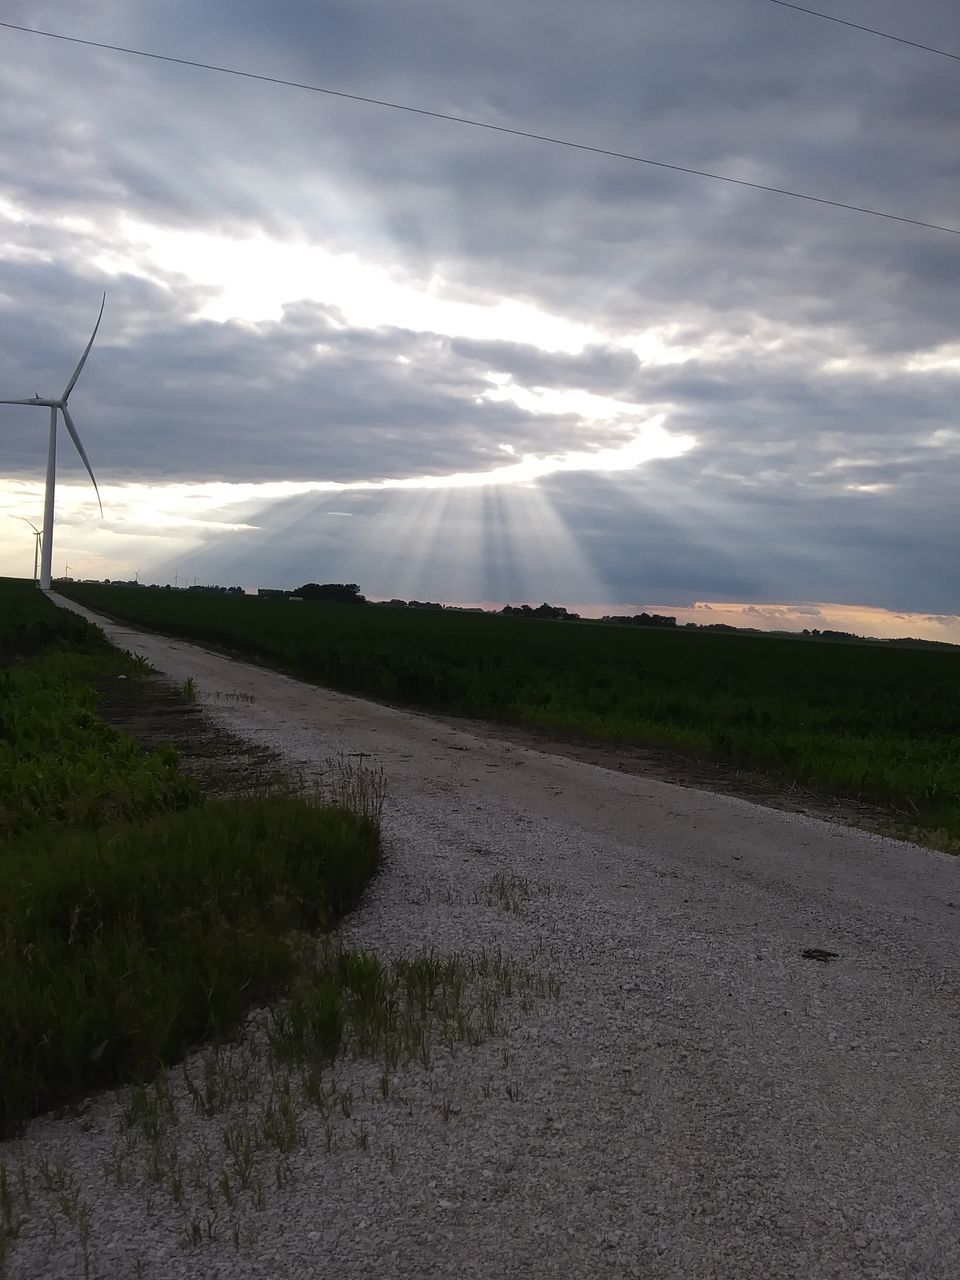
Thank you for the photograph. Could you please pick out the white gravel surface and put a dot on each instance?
(699, 1100)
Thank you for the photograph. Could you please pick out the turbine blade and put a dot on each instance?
(18, 402)
(83, 358)
(76, 440)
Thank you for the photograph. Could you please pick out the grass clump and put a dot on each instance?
(397, 1011)
(122, 947)
(60, 763)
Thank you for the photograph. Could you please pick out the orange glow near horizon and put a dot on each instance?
(863, 620)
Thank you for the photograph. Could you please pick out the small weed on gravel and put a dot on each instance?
(510, 892)
(252, 1098)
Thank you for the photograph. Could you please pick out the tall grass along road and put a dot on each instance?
(136, 920)
(594, 1025)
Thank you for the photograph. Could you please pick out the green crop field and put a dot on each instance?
(866, 721)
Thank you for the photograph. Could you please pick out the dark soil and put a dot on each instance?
(666, 765)
(156, 713)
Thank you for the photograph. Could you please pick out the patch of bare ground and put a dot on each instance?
(667, 765)
(156, 713)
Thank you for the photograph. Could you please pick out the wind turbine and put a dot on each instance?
(55, 407)
(37, 540)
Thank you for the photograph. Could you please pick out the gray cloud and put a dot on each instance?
(767, 290)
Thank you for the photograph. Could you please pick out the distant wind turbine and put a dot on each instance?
(37, 540)
(55, 407)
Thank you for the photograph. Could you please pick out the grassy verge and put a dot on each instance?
(122, 947)
(874, 724)
(135, 919)
(60, 762)
(29, 623)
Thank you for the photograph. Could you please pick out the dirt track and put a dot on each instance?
(702, 1100)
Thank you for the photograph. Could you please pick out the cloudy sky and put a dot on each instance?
(348, 343)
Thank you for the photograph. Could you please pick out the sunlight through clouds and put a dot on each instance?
(652, 442)
(188, 516)
(459, 339)
(555, 400)
(180, 505)
(401, 542)
(255, 278)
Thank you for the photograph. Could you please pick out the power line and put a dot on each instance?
(481, 124)
(885, 35)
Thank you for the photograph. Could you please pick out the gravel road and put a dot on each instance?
(700, 1099)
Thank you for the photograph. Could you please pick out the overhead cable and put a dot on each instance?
(481, 124)
(884, 35)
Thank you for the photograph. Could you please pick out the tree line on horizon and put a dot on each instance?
(350, 593)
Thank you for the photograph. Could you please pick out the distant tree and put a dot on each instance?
(332, 592)
(548, 611)
(544, 610)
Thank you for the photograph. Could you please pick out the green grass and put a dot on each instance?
(136, 920)
(122, 947)
(29, 622)
(59, 761)
(397, 1012)
(878, 724)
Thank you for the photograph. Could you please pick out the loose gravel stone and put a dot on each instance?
(699, 1100)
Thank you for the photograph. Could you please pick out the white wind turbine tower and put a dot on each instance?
(37, 541)
(55, 407)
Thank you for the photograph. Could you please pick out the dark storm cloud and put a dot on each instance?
(765, 290)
